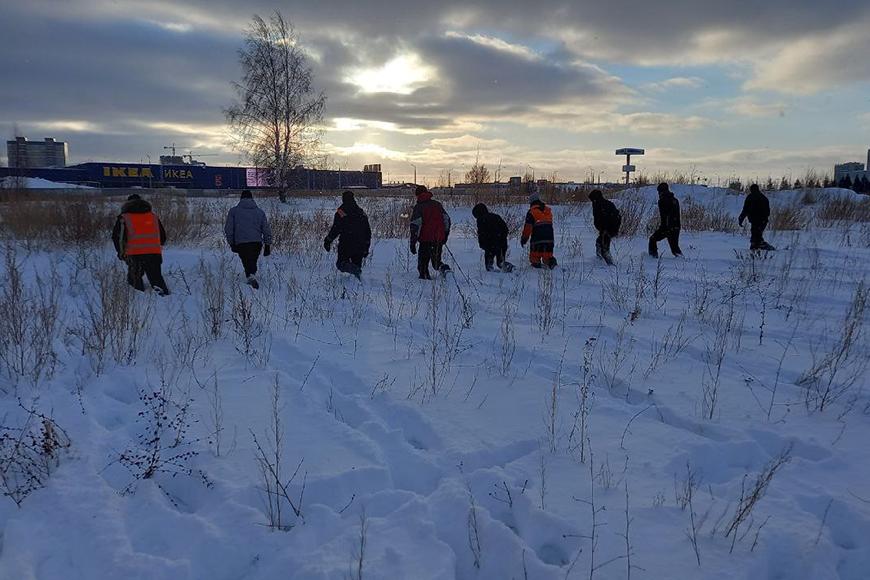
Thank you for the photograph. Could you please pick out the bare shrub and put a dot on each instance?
(29, 454)
(636, 211)
(164, 445)
(788, 217)
(112, 321)
(840, 209)
(270, 460)
(30, 321)
(699, 217)
(749, 497)
(834, 372)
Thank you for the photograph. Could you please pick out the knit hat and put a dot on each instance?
(662, 188)
(534, 197)
(247, 194)
(754, 188)
(595, 194)
(347, 197)
(479, 211)
(133, 196)
(420, 189)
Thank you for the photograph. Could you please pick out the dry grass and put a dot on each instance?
(844, 209)
(788, 217)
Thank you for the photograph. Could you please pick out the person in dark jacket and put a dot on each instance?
(351, 226)
(430, 227)
(539, 229)
(492, 237)
(607, 221)
(138, 237)
(669, 227)
(757, 209)
(248, 233)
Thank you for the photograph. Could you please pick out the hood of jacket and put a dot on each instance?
(666, 195)
(136, 206)
(247, 203)
(479, 211)
(424, 196)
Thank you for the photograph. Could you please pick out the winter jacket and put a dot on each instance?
(756, 208)
(120, 230)
(539, 225)
(246, 223)
(605, 216)
(669, 211)
(429, 221)
(351, 226)
(492, 232)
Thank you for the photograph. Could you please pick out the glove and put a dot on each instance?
(413, 248)
(326, 244)
(267, 250)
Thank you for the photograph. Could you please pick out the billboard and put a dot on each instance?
(257, 177)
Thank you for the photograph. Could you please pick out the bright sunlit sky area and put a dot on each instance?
(549, 87)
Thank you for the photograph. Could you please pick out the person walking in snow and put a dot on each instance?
(538, 231)
(607, 221)
(248, 233)
(756, 208)
(430, 227)
(138, 237)
(351, 226)
(669, 226)
(492, 237)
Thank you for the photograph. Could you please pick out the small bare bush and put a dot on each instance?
(29, 454)
(788, 217)
(636, 211)
(841, 209)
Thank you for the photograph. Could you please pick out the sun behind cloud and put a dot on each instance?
(402, 74)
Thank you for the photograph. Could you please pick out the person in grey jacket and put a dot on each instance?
(248, 233)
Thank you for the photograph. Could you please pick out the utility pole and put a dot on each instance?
(415, 172)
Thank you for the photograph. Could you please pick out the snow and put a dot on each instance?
(424, 456)
(37, 183)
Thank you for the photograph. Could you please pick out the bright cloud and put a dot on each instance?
(402, 75)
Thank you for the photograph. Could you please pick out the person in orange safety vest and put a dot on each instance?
(139, 236)
(538, 230)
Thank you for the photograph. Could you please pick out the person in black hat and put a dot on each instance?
(669, 226)
(248, 233)
(351, 226)
(607, 221)
(492, 237)
(757, 209)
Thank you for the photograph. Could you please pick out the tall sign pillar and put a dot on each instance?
(628, 168)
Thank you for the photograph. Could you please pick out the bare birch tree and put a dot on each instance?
(277, 115)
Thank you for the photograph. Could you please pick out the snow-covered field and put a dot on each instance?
(705, 417)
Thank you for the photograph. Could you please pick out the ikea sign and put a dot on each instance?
(137, 172)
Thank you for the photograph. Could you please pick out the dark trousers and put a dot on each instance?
(540, 253)
(350, 263)
(673, 237)
(429, 252)
(149, 265)
(756, 238)
(494, 255)
(602, 243)
(249, 253)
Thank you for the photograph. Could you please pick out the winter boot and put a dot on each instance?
(160, 291)
(608, 259)
(444, 268)
(507, 267)
(552, 263)
(252, 282)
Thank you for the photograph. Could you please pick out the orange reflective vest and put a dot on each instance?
(141, 234)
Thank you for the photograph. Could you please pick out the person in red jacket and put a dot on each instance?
(138, 237)
(539, 229)
(430, 227)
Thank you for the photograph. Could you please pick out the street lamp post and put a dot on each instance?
(415, 172)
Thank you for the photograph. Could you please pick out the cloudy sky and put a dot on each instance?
(552, 87)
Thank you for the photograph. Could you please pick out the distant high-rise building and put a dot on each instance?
(48, 153)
